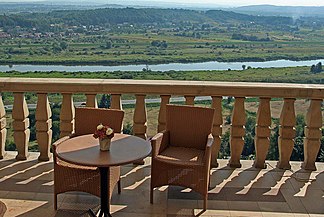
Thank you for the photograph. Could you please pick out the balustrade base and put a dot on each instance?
(22, 157)
(234, 165)
(139, 162)
(43, 158)
(214, 165)
(3, 155)
(260, 165)
(283, 166)
(308, 166)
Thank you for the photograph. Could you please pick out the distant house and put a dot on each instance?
(4, 35)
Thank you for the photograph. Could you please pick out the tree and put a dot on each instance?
(155, 43)
(316, 68)
(243, 67)
(319, 67)
(313, 68)
(164, 44)
(64, 45)
(108, 45)
(104, 101)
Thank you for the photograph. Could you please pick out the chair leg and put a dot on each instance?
(151, 195)
(119, 186)
(205, 201)
(55, 201)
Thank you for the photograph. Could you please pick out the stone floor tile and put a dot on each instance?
(277, 214)
(313, 201)
(182, 207)
(245, 214)
(280, 207)
(243, 206)
(215, 205)
(293, 201)
(301, 215)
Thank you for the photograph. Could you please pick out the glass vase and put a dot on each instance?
(104, 144)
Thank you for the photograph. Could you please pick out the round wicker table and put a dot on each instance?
(84, 150)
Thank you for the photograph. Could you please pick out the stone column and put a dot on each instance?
(237, 132)
(217, 128)
(43, 126)
(140, 124)
(165, 99)
(91, 101)
(140, 117)
(313, 134)
(190, 100)
(287, 133)
(21, 125)
(3, 130)
(116, 101)
(67, 115)
(262, 133)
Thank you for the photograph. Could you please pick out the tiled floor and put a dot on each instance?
(26, 190)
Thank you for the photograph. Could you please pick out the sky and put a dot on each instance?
(251, 2)
(214, 2)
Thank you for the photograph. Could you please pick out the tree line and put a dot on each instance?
(115, 16)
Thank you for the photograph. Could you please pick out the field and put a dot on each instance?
(116, 49)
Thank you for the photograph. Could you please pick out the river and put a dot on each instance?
(212, 65)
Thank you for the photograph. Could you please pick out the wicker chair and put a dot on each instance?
(181, 154)
(70, 177)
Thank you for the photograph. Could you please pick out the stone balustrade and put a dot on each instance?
(189, 89)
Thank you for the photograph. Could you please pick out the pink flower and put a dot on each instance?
(103, 132)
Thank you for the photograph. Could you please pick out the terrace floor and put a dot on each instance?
(26, 190)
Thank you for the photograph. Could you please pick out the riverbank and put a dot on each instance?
(157, 61)
(200, 66)
(272, 75)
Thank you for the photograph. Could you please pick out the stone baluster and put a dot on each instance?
(43, 126)
(3, 130)
(287, 133)
(116, 102)
(217, 128)
(67, 115)
(313, 134)
(140, 124)
(20, 125)
(165, 99)
(190, 100)
(237, 132)
(91, 101)
(262, 133)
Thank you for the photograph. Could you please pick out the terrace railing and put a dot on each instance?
(188, 89)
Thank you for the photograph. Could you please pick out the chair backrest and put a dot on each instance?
(87, 119)
(189, 126)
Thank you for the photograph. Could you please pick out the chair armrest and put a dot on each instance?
(59, 141)
(159, 142)
(210, 142)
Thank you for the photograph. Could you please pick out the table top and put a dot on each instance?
(85, 150)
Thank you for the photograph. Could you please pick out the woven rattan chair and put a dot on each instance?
(70, 177)
(181, 154)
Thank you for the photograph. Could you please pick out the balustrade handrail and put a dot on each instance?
(161, 87)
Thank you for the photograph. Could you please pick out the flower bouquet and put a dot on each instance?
(105, 134)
